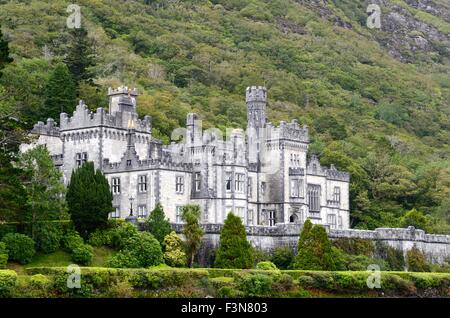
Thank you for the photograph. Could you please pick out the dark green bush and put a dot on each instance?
(256, 285)
(306, 282)
(82, 254)
(140, 250)
(284, 283)
(393, 257)
(40, 281)
(71, 240)
(48, 237)
(20, 247)
(282, 257)
(395, 285)
(120, 235)
(101, 237)
(8, 280)
(355, 246)
(234, 249)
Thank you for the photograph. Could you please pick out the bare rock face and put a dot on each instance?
(411, 30)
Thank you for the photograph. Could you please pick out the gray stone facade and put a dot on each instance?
(261, 174)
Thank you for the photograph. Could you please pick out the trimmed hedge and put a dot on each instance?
(177, 282)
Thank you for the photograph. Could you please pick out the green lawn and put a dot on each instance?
(61, 258)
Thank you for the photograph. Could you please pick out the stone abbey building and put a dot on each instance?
(261, 174)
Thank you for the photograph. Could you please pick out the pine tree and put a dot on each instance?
(314, 249)
(4, 52)
(80, 56)
(89, 199)
(60, 93)
(192, 230)
(158, 224)
(234, 250)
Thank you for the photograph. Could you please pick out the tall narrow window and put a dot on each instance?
(115, 214)
(263, 188)
(294, 188)
(178, 213)
(142, 211)
(228, 181)
(271, 218)
(337, 194)
(239, 182)
(250, 217)
(142, 183)
(80, 158)
(314, 197)
(179, 184)
(115, 185)
(340, 225)
(249, 187)
(197, 181)
(331, 220)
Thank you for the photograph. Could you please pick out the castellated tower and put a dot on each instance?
(256, 99)
(122, 99)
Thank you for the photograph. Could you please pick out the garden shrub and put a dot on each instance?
(8, 280)
(74, 244)
(157, 224)
(395, 285)
(259, 255)
(314, 249)
(48, 237)
(40, 281)
(417, 261)
(71, 240)
(82, 254)
(121, 289)
(234, 249)
(306, 282)
(284, 283)
(121, 234)
(255, 285)
(174, 254)
(101, 237)
(282, 257)
(140, 250)
(267, 266)
(3, 255)
(20, 247)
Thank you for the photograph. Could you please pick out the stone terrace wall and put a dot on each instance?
(436, 247)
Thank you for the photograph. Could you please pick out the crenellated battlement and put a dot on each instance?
(293, 131)
(84, 118)
(48, 129)
(256, 94)
(122, 90)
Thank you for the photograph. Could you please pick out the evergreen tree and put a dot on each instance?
(80, 56)
(60, 93)
(46, 200)
(314, 249)
(192, 230)
(158, 224)
(89, 199)
(234, 250)
(4, 52)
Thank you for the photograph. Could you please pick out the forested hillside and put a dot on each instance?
(377, 101)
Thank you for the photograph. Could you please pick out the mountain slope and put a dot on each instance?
(377, 101)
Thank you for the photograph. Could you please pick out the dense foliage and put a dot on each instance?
(192, 230)
(20, 247)
(157, 223)
(314, 250)
(377, 106)
(89, 199)
(46, 199)
(174, 254)
(234, 249)
(140, 250)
